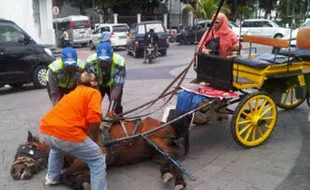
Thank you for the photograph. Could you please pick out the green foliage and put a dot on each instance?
(267, 6)
(289, 9)
(204, 9)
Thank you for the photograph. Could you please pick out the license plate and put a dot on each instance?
(123, 37)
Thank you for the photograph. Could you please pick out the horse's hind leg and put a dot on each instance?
(165, 168)
(76, 175)
(168, 170)
(179, 179)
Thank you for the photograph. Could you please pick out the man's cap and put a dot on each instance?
(104, 52)
(69, 56)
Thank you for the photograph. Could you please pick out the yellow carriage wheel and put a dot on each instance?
(288, 99)
(254, 119)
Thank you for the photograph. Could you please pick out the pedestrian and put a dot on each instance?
(62, 74)
(109, 68)
(65, 127)
(65, 38)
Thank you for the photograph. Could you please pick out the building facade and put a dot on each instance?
(33, 16)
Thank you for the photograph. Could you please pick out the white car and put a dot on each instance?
(235, 28)
(118, 34)
(264, 27)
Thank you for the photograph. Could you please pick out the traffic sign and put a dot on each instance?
(56, 10)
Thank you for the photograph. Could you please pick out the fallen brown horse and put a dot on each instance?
(33, 156)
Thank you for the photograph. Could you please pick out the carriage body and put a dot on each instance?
(264, 82)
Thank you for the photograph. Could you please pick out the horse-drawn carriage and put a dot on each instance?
(262, 82)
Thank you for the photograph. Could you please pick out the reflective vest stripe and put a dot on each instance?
(64, 80)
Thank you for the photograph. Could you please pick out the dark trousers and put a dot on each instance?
(107, 90)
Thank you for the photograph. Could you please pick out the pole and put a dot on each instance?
(308, 9)
(170, 5)
(56, 28)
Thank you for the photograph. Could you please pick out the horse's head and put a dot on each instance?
(29, 159)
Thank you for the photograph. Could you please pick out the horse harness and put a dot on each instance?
(106, 133)
(31, 155)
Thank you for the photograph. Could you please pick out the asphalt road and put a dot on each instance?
(215, 159)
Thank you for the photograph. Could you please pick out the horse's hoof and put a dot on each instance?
(179, 187)
(167, 177)
(86, 186)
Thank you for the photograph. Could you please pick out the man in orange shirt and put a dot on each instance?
(64, 129)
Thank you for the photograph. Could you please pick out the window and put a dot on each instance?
(265, 24)
(105, 29)
(158, 27)
(10, 33)
(81, 24)
(141, 29)
(120, 28)
(307, 23)
(97, 31)
(133, 28)
(247, 24)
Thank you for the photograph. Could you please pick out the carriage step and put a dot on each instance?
(243, 80)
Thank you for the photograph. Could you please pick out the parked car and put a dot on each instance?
(195, 33)
(135, 40)
(118, 34)
(264, 27)
(22, 60)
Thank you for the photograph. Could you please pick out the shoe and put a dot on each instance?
(201, 118)
(50, 182)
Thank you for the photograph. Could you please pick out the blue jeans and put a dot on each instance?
(87, 151)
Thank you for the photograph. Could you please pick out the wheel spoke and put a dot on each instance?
(267, 110)
(260, 131)
(262, 106)
(292, 98)
(267, 118)
(266, 126)
(256, 105)
(244, 129)
(250, 106)
(249, 132)
(254, 133)
(285, 97)
(244, 122)
(247, 115)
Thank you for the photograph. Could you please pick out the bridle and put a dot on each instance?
(30, 154)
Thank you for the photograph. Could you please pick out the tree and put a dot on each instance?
(267, 6)
(246, 7)
(205, 9)
(292, 11)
